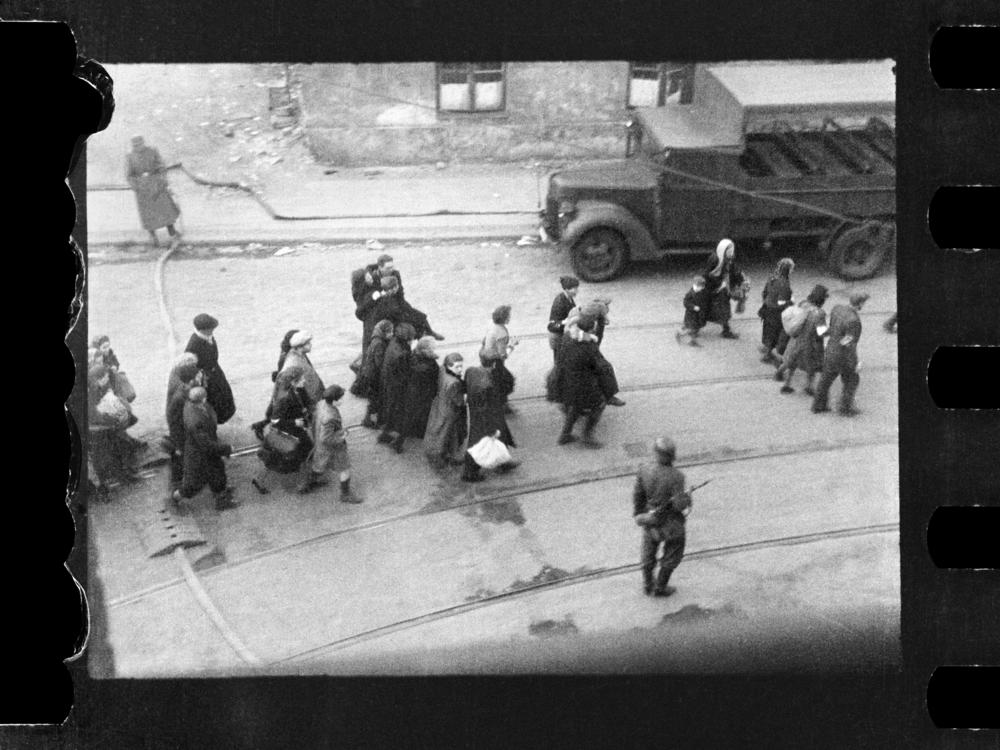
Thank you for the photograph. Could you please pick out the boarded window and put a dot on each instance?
(471, 87)
(657, 84)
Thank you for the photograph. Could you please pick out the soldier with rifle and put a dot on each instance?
(660, 504)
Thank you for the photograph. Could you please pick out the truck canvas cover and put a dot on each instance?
(732, 100)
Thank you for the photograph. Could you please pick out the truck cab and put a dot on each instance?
(763, 152)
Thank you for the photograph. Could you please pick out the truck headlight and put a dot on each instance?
(566, 208)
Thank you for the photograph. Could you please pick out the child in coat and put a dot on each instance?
(695, 311)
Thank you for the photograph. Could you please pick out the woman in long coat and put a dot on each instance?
(722, 278)
(203, 345)
(486, 417)
(298, 356)
(421, 387)
(147, 177)
(777, 297)
(369, 381)
(203, 453)
(805, 348)
(112, 452)
(446, 425)
(291, 413)
(395, 374)
(283, 348)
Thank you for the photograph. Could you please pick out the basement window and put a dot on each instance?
(657, 84)
(471, 87)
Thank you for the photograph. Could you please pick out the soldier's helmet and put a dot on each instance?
(665, 447)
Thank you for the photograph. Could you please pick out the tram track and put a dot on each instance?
(506, 494)
(572, 579)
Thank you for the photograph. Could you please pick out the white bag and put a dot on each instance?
(490, 452)
(112, 406)
(793, 318)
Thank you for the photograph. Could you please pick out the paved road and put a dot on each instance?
(297, 574)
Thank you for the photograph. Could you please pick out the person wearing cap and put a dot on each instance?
(841, 356)
(421, 388)
(378, 305)
(395, 375)
(805, 347)
(204, 346)
(695, 309)
(188, 376)
(203, 453)
(330, 446)
(147, 177)
(112, 452)
(173, 380)
(723, 280)
(599, 310)
(580, 384)
(368, 285)
(562, 306)
(298, 356)
(658, 488)
(446, 424)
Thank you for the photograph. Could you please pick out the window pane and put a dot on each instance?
(646, 71)
(456, 97)
(489, 96)
(643, 93)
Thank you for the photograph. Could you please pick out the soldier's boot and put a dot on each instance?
(224, 500)
(346, 496)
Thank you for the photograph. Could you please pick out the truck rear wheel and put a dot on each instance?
(600, 255)
(859, 252)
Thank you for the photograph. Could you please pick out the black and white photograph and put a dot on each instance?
(493, 368)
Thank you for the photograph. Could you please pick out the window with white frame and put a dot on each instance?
(471, 87)
(657, 84)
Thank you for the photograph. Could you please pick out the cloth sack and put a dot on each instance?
(490, 452)
(793, 318)
(123, 387)
(112, 406)
(279, 441)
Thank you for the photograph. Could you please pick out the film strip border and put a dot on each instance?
(949, 465)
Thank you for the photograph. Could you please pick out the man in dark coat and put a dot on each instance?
(147, 177)
(841, 357)
(188, 376)
(203, 453)
(378, 305)
(580, 385)
(446, 424)
(421, 388)
(657, 507)
(395, 375)
(368, 280)
(562, 306)
(203, 345)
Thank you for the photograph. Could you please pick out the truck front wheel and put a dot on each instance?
(859, 252)
(600, 255)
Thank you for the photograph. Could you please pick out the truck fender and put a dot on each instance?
(592, 214)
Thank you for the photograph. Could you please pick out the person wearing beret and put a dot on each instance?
(203, 345)
(298, 356)
(330, 451)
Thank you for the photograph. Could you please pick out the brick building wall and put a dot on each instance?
(356, 115)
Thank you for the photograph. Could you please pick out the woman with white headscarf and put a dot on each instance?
(723, 281)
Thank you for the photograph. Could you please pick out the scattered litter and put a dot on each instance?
(496, 195)
(276, 159)
(204, 124)
(311, 245)
(284, 251)
(179, 138)
(440, 165)
(234, 159)
(372, 172)
(329, 171)
(229, 131)
(374, 245)
(527, 240)
(230, 250)
(254, 246)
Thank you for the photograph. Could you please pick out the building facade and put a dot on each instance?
(414, 113)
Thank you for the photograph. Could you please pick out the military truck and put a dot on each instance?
(762, 153)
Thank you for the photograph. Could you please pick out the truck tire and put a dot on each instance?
(600, 255)
(860, 252)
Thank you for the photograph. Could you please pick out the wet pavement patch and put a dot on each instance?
(693, 613)
(550, 628)
(547, 574)
(502, 511)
